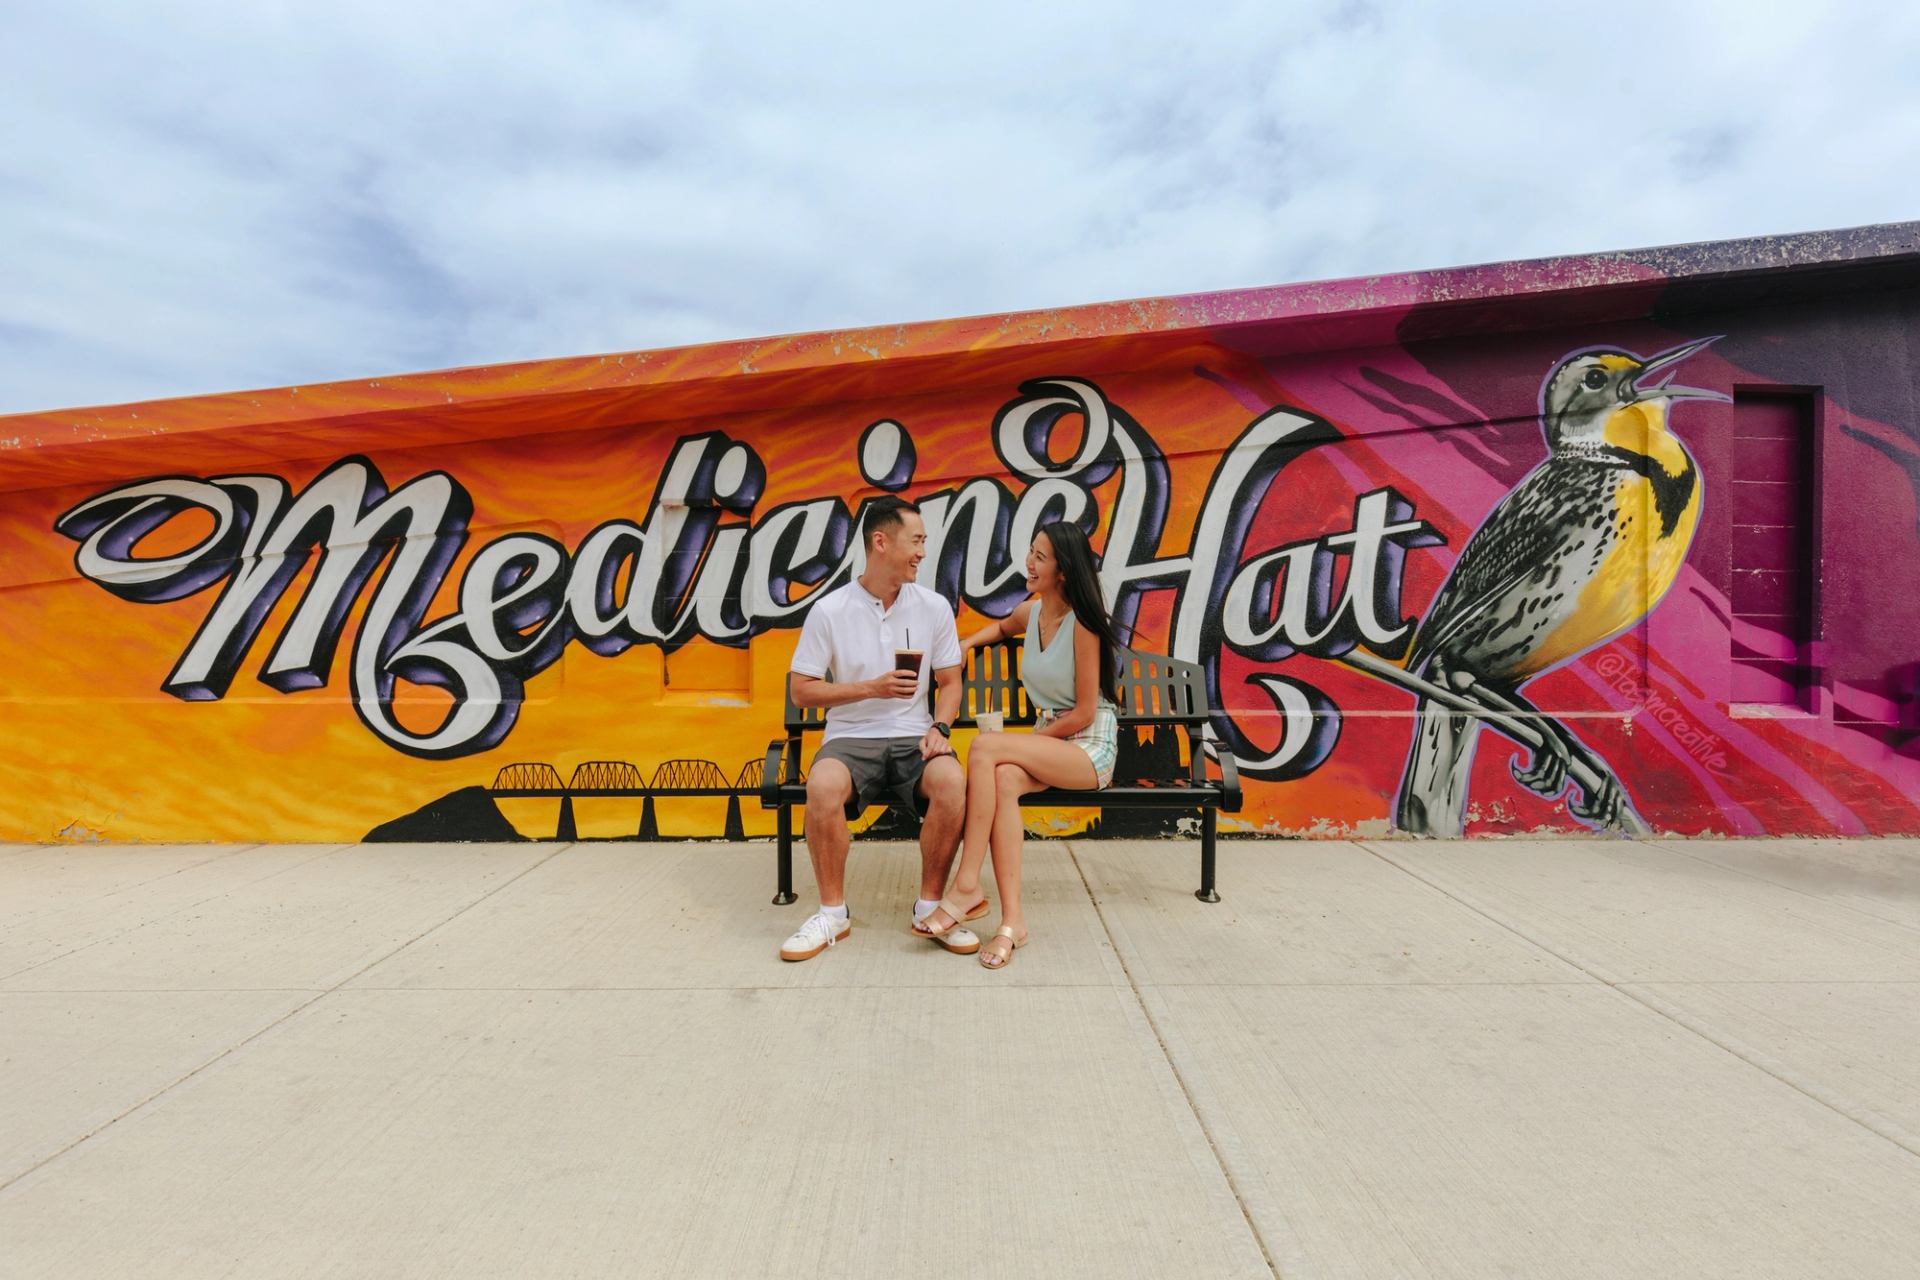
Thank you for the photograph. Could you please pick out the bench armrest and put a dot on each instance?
(1202, 746)
(1229, 777)
(770, 772)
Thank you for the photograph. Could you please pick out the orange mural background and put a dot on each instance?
(98, 752)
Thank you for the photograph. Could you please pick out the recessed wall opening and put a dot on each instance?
(1773, 556)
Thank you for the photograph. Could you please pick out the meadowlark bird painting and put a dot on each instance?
(1575, 554)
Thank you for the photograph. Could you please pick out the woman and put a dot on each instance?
(1068, 668)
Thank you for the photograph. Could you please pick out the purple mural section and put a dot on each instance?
(1712, 749)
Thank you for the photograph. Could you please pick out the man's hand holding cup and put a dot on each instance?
(905, 679)
(897, 683)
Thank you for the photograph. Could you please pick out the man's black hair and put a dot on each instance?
(884, 516)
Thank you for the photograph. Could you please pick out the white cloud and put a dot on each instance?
(196, 198)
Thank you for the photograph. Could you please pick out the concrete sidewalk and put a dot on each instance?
(1499, 1058)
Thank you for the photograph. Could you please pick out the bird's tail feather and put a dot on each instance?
(1433, 790)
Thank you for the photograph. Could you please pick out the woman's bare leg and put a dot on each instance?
(1057, 762)
(1027, 763)
(982, 757)
(973, 839)
(1011, 781)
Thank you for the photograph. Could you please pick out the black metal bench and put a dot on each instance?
(1156, 692)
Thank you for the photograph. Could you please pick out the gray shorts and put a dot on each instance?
(885, 770)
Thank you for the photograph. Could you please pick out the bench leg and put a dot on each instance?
(1206, 893)
(783, 894)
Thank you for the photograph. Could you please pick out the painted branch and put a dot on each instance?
(1519, 728)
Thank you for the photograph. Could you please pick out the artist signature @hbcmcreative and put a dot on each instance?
(1624, 678)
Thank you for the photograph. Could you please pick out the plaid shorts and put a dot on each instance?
(1100, 740)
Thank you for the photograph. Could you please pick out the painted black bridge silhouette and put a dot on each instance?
(1157, 756)
(604, 779)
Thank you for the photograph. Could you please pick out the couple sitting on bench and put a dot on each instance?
(882, 636)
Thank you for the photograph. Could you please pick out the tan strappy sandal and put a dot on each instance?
(993, 948)
(955, 912)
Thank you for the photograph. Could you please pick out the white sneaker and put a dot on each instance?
(819, 932)
(960, 940)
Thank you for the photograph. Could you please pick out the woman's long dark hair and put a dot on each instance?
(1080, 583)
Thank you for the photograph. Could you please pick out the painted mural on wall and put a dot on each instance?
(1424, 604)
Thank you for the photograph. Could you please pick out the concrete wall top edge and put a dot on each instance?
(77, 445)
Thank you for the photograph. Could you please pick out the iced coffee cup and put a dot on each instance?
(907, 660)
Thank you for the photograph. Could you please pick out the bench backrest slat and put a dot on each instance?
(1153, 688)
(992, 683)
(1161, 688)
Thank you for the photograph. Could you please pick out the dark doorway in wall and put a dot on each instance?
(1775, 584)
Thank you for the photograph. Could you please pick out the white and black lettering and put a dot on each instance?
(700, 562)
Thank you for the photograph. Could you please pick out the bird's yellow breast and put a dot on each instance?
(1649, 545)
(1641, 428)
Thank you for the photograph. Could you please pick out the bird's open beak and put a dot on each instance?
(1639, 388)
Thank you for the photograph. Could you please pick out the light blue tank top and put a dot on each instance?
(1048, 670)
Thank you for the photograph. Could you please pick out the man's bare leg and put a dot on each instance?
(944, 785)
(829, 787)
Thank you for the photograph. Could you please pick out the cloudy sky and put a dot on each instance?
(205, 197)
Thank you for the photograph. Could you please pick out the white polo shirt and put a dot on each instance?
(851, 634)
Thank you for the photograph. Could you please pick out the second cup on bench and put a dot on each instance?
(994, 721)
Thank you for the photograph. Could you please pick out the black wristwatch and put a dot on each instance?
(946, 730)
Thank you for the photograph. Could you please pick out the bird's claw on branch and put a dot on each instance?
(1604, 809)
(1546, 773)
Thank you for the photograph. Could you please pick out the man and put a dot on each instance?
(879, 741)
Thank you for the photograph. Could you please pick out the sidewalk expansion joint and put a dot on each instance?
(1186, 1092)
(1673, 846)
(325, 852)
(1832, 1099)
(284, 1018)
